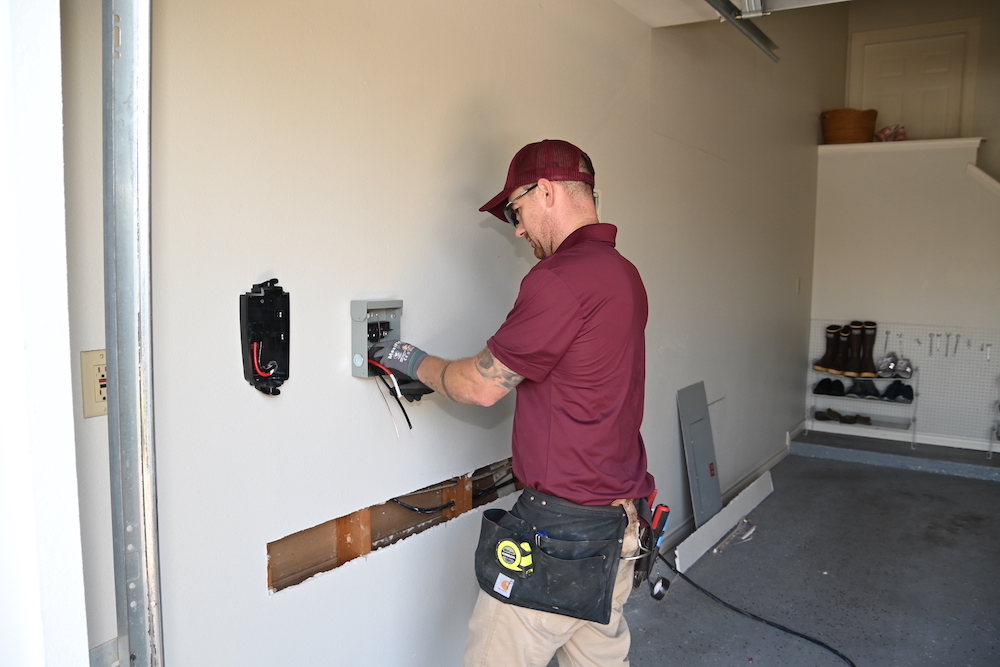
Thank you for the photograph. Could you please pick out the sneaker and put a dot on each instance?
(903, 369)
(892, 391)
(905, 394)
(869, 390)
(886, 365)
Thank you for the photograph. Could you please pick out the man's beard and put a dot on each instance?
(539, 253)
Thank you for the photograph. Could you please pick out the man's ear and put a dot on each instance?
(548, 190)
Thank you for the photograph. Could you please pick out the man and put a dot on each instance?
(574, 347)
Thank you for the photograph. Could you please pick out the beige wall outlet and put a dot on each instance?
(94, 367)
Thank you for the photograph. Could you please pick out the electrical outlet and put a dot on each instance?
(94, 375)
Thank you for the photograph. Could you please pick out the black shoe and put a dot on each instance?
(905, 394)
(827, 415)
(823, 387)
(892, 391)
(869, 390)
(836, 388)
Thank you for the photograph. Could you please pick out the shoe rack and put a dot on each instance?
(870, 414)
(956, 383)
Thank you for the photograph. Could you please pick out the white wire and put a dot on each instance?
(384, 400)
(395, 384)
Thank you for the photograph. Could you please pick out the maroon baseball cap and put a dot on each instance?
(552, 159)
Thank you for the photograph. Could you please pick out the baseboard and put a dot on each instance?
(898, 435)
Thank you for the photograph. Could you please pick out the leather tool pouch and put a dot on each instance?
(552, 555)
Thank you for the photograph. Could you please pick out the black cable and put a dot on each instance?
(396, 396)
(499, 485)
(758, 618)
(423, 510)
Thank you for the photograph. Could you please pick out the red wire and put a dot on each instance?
(375, 363)
(256, 361)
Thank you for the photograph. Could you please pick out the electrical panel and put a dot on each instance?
(264, 333)
(372, 322)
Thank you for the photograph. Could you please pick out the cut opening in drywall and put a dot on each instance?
(299, 556)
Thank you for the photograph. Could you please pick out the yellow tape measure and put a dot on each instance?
(514, 556)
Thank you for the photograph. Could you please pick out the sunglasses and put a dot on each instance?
(509, 212)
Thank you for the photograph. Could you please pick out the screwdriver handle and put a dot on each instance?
(660, 516)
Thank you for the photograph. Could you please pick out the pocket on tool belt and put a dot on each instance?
(569, 577)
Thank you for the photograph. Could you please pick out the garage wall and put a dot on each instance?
(344, 148)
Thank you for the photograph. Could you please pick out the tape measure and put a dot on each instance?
(515, 556)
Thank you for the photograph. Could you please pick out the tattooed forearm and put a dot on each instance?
(444, 385)
(491, 369)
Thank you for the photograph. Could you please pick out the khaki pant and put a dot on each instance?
(503, 635)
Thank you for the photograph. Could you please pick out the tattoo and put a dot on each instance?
(444, 387)
(493, 370)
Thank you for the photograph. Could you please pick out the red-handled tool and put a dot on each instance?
(657, 587)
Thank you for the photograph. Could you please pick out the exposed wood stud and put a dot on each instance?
(354, 535)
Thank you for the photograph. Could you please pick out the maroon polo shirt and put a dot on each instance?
(577, 335)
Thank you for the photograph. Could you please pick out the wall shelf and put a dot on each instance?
(898, 146)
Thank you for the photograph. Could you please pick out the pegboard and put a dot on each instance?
(957, 379)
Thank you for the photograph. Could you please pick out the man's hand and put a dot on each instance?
(412, 390)
(398, 357)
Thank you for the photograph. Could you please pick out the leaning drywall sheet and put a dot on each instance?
(694, 547)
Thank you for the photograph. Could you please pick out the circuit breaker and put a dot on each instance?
(372, 322)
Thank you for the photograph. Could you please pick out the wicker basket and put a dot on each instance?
(848, 126)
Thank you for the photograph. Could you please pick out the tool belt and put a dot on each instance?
(552, 555)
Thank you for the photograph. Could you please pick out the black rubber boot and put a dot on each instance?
(853, 367)
(843, 349)
(832, 340)
(868, 367)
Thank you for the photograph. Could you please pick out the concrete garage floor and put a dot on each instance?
(890, 566)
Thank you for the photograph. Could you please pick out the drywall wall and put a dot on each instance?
(906, 232)
(883, 14)
(42, 614)
(907, 236)
(344, 149)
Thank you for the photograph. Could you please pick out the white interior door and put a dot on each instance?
(921, 76)
(917, 82)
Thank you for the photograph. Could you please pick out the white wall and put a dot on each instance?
(907, 236)
(907, 233)
(344, 148)
(42, 616)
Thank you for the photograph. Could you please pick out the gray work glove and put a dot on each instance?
(398, 357)
(412, 390)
